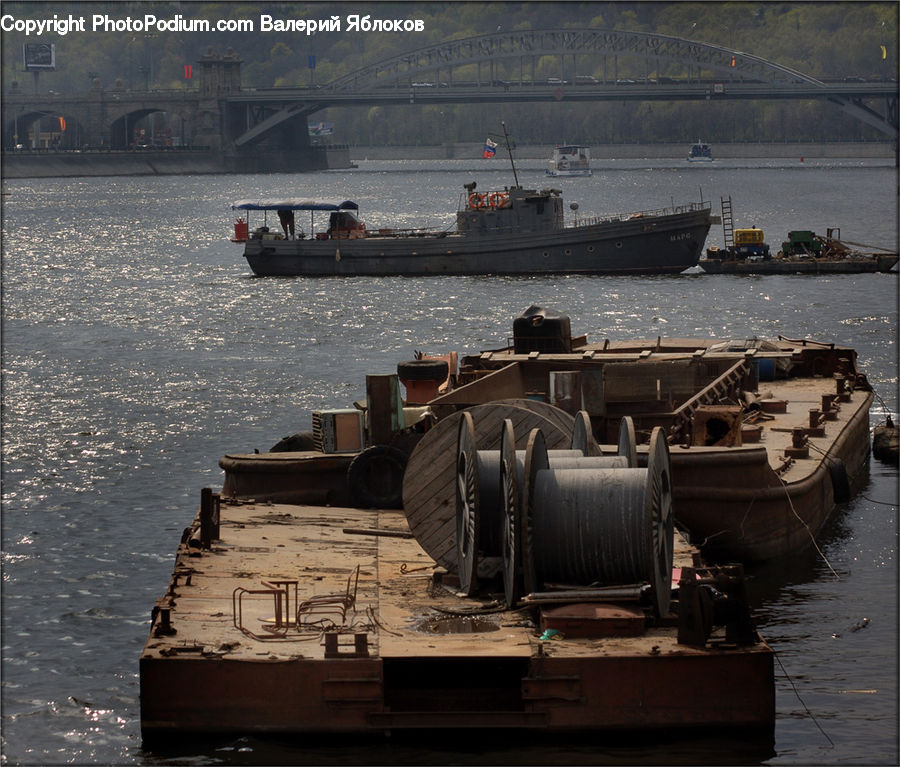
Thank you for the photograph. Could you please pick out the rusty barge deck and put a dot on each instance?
(265, 628)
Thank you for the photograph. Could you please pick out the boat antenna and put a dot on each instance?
(509, 151)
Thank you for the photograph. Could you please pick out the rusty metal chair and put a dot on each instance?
(330, 604)
(280, 591)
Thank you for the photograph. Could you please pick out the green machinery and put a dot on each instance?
(802, 242)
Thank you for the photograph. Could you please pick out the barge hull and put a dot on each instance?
(765, 506)
(614, 693)
(879, 263)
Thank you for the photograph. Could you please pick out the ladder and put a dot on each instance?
(727, 223)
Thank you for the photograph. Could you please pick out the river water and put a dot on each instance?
(138, 348)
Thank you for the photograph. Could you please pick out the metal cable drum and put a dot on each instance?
(628, 440)
(479, 509)
(480, 512)
(512, 478)
(583, 435)
(598, 526)
(625, 458)
(429, 483)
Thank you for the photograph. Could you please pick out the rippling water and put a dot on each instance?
(137, 349)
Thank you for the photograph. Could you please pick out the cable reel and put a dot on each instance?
(482, 521)
(587, 526)
(479, 515)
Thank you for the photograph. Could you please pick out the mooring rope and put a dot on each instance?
(811, 536)
(802, 703)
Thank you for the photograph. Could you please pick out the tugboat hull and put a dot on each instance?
(642, 245)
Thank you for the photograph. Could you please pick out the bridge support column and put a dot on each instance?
(283, 148)
(95, 123)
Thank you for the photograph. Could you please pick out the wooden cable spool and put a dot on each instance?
(597, 526)
(429, 484)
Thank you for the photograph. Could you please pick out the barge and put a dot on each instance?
(766, 436)
(779, 264)
(285, 619)
(544, 538)
(294, 619)
(804, 252)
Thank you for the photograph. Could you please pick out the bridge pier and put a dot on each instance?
(283, 148)
(279, 161)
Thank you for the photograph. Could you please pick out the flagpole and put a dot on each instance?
(509, 151)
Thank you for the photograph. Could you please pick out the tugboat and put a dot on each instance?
(512, 230)
(700, 152)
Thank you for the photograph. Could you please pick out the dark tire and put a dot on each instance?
(840, 482)
(302, 440)
(375, 477)
(423, 370)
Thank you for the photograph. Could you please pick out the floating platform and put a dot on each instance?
(878, 263)
(498, 550)
(290, 619)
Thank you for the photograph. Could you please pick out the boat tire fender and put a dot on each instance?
(375, 477)
(840, 482)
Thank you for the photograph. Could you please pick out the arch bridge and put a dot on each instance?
(516, 66)
(511, 66)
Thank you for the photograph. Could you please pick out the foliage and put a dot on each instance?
(825, 40)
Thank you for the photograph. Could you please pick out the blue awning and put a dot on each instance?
(294, 205)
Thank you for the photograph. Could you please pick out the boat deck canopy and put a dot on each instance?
(292, 204)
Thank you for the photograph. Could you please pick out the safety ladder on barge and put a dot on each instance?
(727, 223)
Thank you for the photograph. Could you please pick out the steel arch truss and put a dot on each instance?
(485, 48)
(887, 123)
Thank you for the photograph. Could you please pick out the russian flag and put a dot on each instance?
(490, 149)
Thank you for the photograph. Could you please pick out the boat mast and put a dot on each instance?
(509, 152)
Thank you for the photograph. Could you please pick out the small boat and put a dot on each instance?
(513, 230)
(700, 152)
(886, 441)
(570, 160)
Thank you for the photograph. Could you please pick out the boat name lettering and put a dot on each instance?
(679, 236)
(356, 23)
